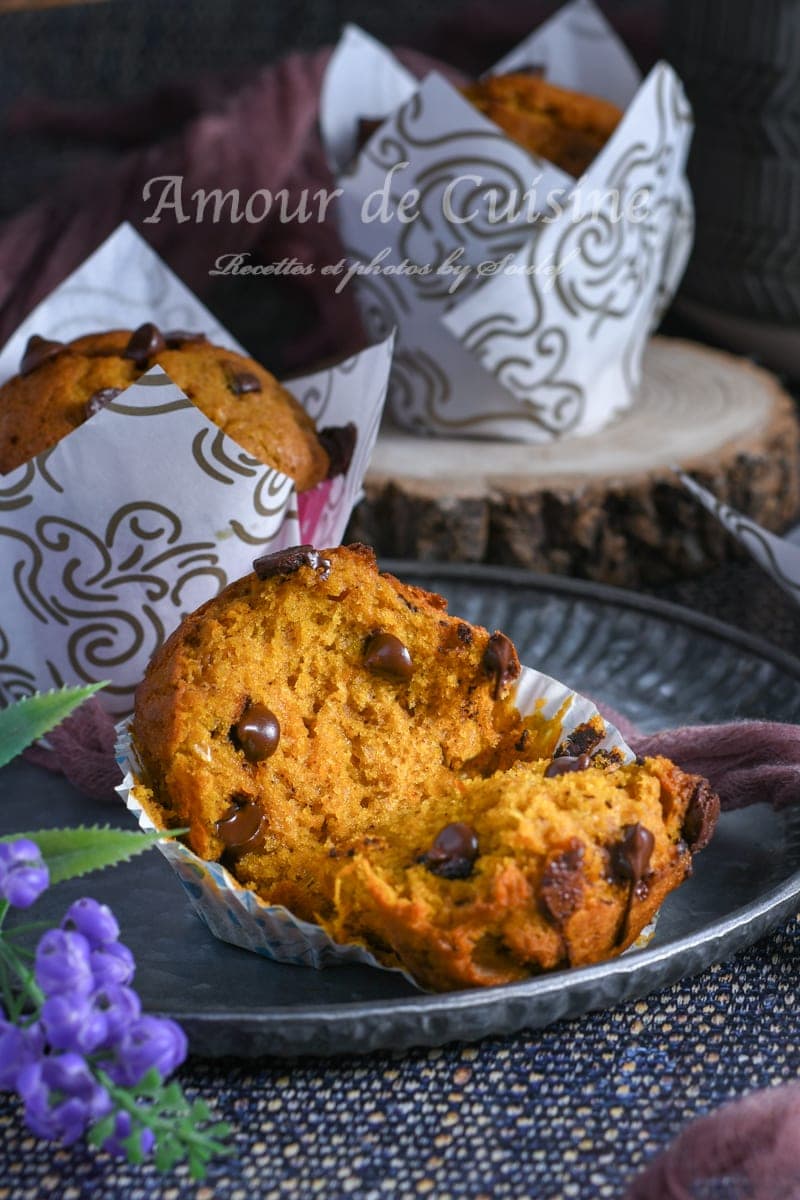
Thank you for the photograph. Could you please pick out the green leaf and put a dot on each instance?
(102, 1130)
(132, 1145)
(197, 1168)
(169, 1153)
(70, 853)
(28, 719)
(149, 1084)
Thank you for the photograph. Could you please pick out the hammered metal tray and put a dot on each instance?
(659, 664)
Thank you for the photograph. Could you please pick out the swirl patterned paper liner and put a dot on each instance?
(552, 343)
(235, 914)
(137, 516)
(778, 557)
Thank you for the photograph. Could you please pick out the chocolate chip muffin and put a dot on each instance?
(59, 386)
(350, 750)
(567, 128)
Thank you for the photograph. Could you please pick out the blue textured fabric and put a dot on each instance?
(572, 1111)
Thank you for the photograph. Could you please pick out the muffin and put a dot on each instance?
(567, 128)
(350, 750)
(59, 386)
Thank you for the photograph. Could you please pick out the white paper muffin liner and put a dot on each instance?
(238, 915)
(528, 323)
(110, 537)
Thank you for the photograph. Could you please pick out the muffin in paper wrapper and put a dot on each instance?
(544, 335)
(143, 512)
(238, 915)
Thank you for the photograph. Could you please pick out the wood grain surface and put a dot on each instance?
(605, 507)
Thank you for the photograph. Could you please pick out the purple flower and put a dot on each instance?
(112, 964)
(18, 1048)
(95, 921)
(63, 963)
(120, 1007)
(72, 1021)
(23, 873)
(62, 1097)
(148, 1042)
(122, 1129)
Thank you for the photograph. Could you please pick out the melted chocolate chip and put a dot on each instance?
(384, 654)
(565, 764)
(583, 739)
(286, 562)
(242, 826)
(500, 662)
(453, 852)
(561, 888)
(242, 382)
(631, 857)
(99, 399)
(339, 443)
(38, 351)
(701, 817)
(257, 733)
(181, 337)
(144, 343)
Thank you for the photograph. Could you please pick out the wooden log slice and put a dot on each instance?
(606, 507)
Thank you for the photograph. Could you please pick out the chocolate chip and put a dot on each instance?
(608, 760)
(242, 826)
(500, 661)
(144, 343)
(701, 817)
(38, 351)
(565, 764)
(561, 888)
(242, 382)
(257, 733)
(181, 337)
(631, 857)
(339, 443)
(385, 654)
(453, 852)
(464, 634)
(99, 399)
(583, 739)
(286, 562)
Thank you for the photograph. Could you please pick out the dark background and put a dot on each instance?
(94, 69)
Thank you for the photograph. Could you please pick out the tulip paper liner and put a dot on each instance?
(551, 342)
(236, 914)
(109, 538)
(778, 557)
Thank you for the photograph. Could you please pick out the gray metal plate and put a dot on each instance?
(659, 664)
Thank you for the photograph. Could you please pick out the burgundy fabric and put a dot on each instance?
(262, 135)
(750, 1149)
(82, 749)
(745, 761)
